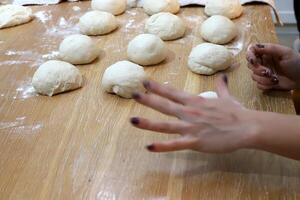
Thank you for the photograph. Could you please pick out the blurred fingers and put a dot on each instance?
(179, 127)
(173, 145)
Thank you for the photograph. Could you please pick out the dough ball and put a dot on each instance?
(209, 95)
(131, 3)
(218, 29)
(146, 49)
(229, 8)
(55, 77)
(78, 49)
(115, 7)
(207, 59)
(165, 25)
(13, 15)
(123, 78)
(152, 7)
(97, 23)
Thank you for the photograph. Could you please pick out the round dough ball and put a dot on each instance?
(209, 95)
(97, 23)
(115, 7)
(13, 15)
(55, 77)
(152, 7)
(146, 49)
(208, 58)
(218, 29)
(78, 49)
(165, 25)
(123, 78)
(131, 3)
(229, 8)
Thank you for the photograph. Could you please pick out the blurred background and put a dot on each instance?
(288, 33)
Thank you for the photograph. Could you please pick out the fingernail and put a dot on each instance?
(252, 61)
(136, 95)
(146, 84)
(135, 120)
(261, 46)
(225, 79)
(264, 73)
(275, 80)
(150, 147)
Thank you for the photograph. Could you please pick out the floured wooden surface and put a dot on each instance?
(80, 145)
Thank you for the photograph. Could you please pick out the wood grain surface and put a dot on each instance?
(80, 145)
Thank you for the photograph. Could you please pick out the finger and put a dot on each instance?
(179, 127)
(262, 71)
(222, 88)
(160, 104)
(263, 80)
(250, 56)
(173, 145)
(169, 92)
(264, 87)
(275, 50)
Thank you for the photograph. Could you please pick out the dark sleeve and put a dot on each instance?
(297, 12)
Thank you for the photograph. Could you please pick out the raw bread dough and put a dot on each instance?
(228, 8)
(207, 59)
(152, 7)
(97, 23)
(218, 29)
(78, 49)
(123, 78)
(55, 77)
(209, 95)
(131, 3)
(13, 15)
(165, 25)
(146, 49)
(115, 7)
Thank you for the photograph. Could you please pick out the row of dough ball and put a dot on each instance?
(166, 25)
(12, 15)
(117, 7)
(145, 49)
(229, 8)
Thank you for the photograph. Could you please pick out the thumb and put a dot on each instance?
(222, 86)
(275, 50)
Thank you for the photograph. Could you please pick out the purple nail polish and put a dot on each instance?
(135, 120)
(136, 95)
(252, 61)
(264, 73)
(225, 79)
(146, 84)
(150, 147)
(261, 46)
(275, 80)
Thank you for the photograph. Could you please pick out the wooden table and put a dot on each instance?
(80, 145)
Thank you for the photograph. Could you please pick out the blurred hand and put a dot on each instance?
(274, 66)
(207, 125)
